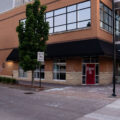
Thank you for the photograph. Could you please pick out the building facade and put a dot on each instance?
(80, 45)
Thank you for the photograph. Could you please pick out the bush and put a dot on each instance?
(7, 80)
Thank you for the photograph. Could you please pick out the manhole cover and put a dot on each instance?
(28, 93)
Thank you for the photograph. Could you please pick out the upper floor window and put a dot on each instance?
(117, 25)
(106, 18)
(72, 17)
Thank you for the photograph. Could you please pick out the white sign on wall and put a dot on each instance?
(40, 56)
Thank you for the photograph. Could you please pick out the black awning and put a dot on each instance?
(92, 47)
(13, 56)
(81, 48)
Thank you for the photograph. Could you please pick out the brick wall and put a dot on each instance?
(74, 72)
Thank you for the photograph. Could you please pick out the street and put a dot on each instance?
(67, 103)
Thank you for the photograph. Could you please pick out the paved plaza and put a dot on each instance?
(60, 103)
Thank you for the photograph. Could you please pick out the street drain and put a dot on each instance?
(28, 93)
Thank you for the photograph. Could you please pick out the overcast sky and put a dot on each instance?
(5, 5)
(116, 0)
(8, 4)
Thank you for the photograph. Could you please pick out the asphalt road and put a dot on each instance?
(67, 103)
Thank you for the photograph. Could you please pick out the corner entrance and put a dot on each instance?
(90, 71)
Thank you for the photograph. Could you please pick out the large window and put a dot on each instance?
(22, 73)
(38, 74)
(106, 18)
(72, 17)
(59, 69)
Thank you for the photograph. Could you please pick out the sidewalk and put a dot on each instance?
(109, 112)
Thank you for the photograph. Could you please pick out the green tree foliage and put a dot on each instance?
(32, 35)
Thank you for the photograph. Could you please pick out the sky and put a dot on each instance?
(116, 0)
(8, 4)
(5, 5)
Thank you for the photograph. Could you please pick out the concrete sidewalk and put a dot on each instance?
(109, 112)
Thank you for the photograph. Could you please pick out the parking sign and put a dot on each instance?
(40, 56)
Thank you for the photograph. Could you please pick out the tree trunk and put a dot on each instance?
(32, 78)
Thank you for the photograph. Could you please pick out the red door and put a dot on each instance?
(90, 74)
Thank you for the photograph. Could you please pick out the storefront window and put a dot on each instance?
(38, 73)
(59, 69)
(22, 73)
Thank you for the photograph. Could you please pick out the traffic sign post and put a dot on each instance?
(40, 58)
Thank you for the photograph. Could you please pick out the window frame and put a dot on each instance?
(103, 24)
(58, 62)
(22, 73)
(84, 63)
(66, 13)
(37, 71)
(117, 28)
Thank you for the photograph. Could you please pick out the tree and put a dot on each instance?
(32, 36)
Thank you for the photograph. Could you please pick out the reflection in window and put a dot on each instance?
(50, 20)
(49, 14)
(84, 5)
(51, 30)
(71, 26)
(70, 17)
(59, 69)
(60, 11)
(60, 28)
(84, 14)
(84, 24)
(22, 73)
(71, 8)
(38, 74)
(117, 24)
(105, 18)
(60, 20)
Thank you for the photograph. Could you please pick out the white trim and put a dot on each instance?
(38, 79)
(59, 80)
(91, 84)
(22, 77)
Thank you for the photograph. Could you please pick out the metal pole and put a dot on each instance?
(114, 52)
(40, 75)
